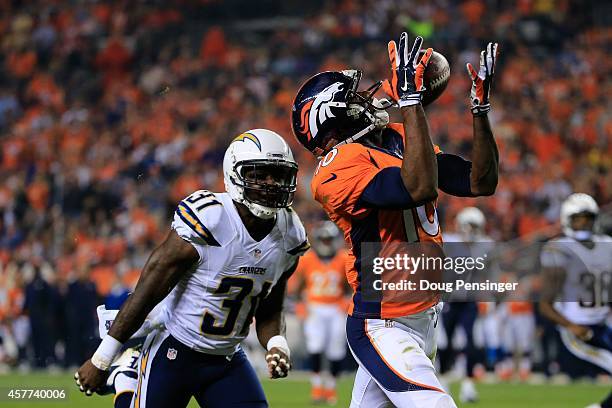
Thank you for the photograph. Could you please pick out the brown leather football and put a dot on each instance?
(437, 75)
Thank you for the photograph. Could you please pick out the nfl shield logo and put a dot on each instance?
(257, 253)
(171, 354)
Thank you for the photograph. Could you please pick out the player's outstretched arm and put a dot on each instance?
(270, 327)
(164, 268)
(166, 265)
(485, 156)
(419, 169)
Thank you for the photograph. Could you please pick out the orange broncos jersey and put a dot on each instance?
(520, 307)
(324, 280)
(340, 179)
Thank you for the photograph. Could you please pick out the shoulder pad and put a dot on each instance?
(556, 252)
(293, 231)
(399, 129)
(352, 149)
(339, 159)
(203, 212)
(602, 238)
(341, 177)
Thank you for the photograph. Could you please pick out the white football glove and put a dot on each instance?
(482, 80)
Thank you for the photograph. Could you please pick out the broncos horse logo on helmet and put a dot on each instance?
(329, 111)
(318, 110)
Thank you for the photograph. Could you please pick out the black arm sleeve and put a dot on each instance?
(454, 175)
(387, 191)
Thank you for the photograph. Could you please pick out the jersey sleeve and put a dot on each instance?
(453, 171)
(342, 178)
(186, 231)
(454, 175)
(295, 238)
(197, 219)
(387, 191)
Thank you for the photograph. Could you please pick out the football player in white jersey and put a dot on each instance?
(468, 240)
(577, 268)
(225, 261)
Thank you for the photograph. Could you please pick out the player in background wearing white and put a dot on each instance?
(518, 337)
(577, 271)
(321, 284)
(123, 372)
(470, 229)
(488, 330)
(225, 261)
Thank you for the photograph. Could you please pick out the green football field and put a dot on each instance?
(295, 393)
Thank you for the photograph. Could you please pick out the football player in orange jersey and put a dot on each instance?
(321, 284)
(379, 183)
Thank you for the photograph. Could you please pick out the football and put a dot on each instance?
(437, 75)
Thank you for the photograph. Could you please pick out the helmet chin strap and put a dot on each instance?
(260, 211)
(378, 120)
(356, 136)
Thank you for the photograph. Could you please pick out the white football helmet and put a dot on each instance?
(577, 203)
(325, 242)
(470, 222)
(251, 159)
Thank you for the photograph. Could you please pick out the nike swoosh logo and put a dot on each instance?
(405, 86)
(332, 178)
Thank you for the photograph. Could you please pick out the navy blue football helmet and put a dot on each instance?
(328, 111)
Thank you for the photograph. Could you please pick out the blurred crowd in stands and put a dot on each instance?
(111, 112)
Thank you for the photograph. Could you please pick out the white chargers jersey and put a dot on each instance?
(212, 306)
(588, 281)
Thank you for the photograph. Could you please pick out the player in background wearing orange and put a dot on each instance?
(379, 183)
(321, 284)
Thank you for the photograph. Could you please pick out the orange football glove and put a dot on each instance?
(406, 83)
(482, 80)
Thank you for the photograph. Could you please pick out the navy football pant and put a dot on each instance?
(170, 373)
(598, 350)
(462, 314)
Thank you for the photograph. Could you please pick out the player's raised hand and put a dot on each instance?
(482, 80)
(407, 71)
(90, 378)
(278, 363)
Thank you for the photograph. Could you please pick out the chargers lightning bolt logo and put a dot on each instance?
(318, 110)
(248, 136)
